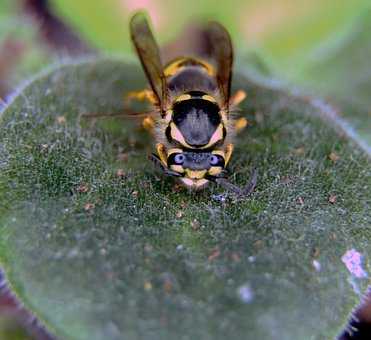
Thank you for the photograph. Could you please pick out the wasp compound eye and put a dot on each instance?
(216, 160)
(179, 159)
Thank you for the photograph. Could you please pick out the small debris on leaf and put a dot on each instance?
(245, 293)
(236, 257)
(168, 285)
(299, 151)
(317, 265)
(89, 206)
(315, 252)
(195, 224)
(332, 199)
(334, 156)
(123, 157)
(176, 188)
(82, 188)
(214, 254)
(251, 259)
(258, 244)
(135, 193)
(120, 173)
(61, 120)
(286, 179)
(148, 248)
(300, 200)
(219, 198)
(353, 261)
(147, 286)
(179, 214)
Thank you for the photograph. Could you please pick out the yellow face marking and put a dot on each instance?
(194, 184)
(216, 137)
(195, 174)
(209, 98)
(169, 116)
(183, 97)
(161, 151)
(215, 170)
(177, 168)
(228, 153)
(174, 150)
(177, 135)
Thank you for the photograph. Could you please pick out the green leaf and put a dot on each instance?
(96, 255)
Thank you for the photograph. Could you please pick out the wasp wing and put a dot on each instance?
(149, 54)
(221, 52)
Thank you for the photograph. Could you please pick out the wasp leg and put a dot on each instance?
(158, 164)
(237, 98)
(143, 95)
(148, 123)
(240, 124)
(240, 192)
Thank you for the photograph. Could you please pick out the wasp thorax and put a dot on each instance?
(196, 122)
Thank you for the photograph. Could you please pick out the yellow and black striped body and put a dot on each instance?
(196, 124)
(191, 118)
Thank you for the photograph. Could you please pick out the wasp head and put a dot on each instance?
(194, 168)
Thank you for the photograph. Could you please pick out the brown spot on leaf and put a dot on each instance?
(299, 151)
(120, 173)
(82, 188)
(147, 286)
(332, 199)
(179, 214)
(89, 206)
(300, 200)
(195, 224)
(168, 285)
(214, 254)
(61, 120)
(334, 156)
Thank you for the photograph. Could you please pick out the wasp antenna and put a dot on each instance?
(249, 188)
(158, 164)
(240, 192)
(117, 114)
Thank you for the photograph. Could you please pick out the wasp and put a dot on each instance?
(192, 111)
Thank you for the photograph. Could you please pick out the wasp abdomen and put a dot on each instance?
(190, 78)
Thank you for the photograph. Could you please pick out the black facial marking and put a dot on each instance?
(196, 94)
(168, 134)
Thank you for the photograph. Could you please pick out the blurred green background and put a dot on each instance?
(287, 33)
